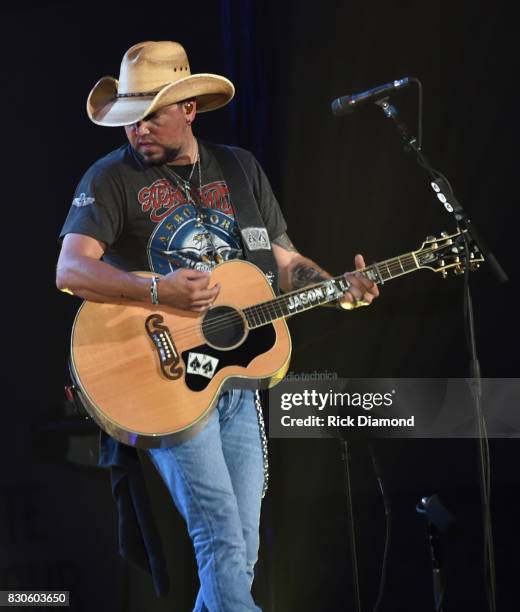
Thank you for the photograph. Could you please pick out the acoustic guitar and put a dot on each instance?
(150, 375)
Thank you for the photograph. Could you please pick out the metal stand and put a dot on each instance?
(442, 188)
(352, 533)
(438, 521)
(439, 580)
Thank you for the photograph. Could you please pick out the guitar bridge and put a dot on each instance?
(168, 356)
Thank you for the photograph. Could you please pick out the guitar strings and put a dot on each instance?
(266, 309)
(394, 266)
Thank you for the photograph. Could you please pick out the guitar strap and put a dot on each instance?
(257, 246)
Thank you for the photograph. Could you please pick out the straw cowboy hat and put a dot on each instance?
(153, 75)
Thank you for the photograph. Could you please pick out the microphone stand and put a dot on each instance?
(438, 521)
(442, 188)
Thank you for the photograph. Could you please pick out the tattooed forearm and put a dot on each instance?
(303, 275)
(295, 270)
(285, 242)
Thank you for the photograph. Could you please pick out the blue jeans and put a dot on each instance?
(216, 480)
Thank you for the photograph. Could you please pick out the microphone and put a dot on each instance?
(347, 104)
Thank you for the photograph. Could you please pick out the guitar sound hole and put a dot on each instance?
(224, 327)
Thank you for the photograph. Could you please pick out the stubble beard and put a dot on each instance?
(167, 156)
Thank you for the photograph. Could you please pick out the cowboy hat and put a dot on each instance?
(153, 75)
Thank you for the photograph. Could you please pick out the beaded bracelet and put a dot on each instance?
(153, 290)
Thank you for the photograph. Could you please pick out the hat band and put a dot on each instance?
(144, 94)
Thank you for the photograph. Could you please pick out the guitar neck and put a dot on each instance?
(326, 291)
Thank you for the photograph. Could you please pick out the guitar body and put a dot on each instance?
(150, 375)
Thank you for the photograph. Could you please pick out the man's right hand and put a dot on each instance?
(80, 271)
(187, 290)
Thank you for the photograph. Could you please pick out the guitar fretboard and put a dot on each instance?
(326, 291)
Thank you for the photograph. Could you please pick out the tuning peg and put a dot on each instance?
(444, 274)
(430, 238)
(444, 234)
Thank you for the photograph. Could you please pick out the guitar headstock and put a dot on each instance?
(448, 253)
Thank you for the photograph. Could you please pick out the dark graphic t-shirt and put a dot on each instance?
(147, 221)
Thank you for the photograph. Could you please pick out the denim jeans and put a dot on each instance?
(216, 479)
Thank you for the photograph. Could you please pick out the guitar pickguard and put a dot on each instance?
(204, 361)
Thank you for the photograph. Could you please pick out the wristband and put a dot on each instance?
(153, 290)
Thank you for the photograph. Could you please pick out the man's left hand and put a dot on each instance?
(362, 290)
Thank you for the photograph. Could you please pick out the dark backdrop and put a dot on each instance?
(345, 186)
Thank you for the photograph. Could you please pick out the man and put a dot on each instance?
(163, 203)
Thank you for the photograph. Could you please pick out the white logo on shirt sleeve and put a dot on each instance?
(83, 200)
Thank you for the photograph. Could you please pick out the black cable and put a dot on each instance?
(388, 529)
(419, 112)
(438, 608)
(422, 162)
